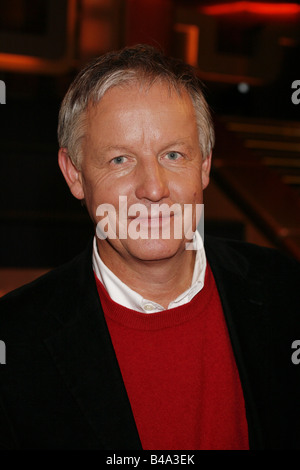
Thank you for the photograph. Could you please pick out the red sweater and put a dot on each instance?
(180, 374)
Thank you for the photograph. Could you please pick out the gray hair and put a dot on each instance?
(140, 64)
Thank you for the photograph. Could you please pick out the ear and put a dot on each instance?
(71, 174)
(206, 164)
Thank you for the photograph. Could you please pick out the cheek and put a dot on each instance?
(196, 187)
(189, 190)
(198, 196)
(93, 196)
(107, 191)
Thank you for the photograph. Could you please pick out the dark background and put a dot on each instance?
(43, 44)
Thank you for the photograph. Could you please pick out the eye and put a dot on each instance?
(173, 156)
(118, 160)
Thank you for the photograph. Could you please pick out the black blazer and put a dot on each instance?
(61, 387)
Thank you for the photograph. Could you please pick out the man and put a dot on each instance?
(148, 340)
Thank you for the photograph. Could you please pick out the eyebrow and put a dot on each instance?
(109, 148)
(178, 142)
(121, 148)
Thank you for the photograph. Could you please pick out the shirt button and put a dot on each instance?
(148, 307)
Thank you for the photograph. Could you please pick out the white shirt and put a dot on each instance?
(123, 295)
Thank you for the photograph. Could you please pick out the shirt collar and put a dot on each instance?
(120, 293)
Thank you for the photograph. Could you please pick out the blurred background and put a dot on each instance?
(247, 54)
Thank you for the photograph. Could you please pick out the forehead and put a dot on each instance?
(137, 109)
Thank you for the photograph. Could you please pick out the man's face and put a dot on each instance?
(142, 144)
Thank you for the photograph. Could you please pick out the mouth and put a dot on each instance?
(153, 220)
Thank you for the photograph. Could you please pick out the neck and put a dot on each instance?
(158, 280)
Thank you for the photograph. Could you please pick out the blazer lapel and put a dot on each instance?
(85, 357)
(243, 306)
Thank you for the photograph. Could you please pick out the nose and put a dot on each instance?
(152, 181)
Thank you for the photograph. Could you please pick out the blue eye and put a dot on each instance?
(173, 156)
(118, 160)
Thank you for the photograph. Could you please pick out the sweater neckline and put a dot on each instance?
(158, 320)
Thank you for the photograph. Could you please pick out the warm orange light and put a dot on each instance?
(19, 60)
(258, 8)
(191, 33)
(29, 64)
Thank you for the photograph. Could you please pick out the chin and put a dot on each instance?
(155, 250)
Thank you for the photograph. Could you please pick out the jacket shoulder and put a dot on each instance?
(249, 257)
(32, 301)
